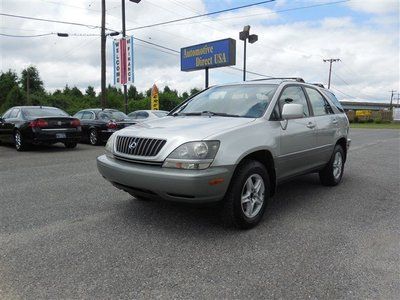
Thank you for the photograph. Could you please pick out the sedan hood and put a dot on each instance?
(184, 128)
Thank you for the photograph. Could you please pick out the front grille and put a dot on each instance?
(139, 146)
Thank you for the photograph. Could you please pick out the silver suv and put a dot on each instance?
(232, 144)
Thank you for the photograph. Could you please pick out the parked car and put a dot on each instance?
(232, 143)
(144, 115)
(98, 124)
(27, 125)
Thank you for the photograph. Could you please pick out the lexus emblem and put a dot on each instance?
(132, 145)
(59, 123)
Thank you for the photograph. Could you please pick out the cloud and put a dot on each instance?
(369, 51)
(375, 6)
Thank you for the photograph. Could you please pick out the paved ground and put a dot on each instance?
(66, 233)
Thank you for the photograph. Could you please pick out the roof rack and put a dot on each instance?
(298, 79)
(318, 84)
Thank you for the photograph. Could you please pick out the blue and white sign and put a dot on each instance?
(214, 54)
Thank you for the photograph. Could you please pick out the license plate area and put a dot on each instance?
(61, 135)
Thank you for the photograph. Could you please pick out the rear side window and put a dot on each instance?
(78, 115)
(294, 94)
(318, 103)
(142, 115)
(7, 114)
(87, 115)
(334, 100)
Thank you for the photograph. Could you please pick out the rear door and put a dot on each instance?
(327, 124)
(5, 126)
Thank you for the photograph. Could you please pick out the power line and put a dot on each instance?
(26, 36)
(201, 15)
(51, 21)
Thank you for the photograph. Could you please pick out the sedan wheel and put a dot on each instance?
(332, 174)
(253, 196)
(19, 142)
(93, 137)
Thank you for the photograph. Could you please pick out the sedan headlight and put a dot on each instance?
(193, 155)
(110, 146)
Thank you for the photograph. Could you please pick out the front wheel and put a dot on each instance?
(19, 141)
(332, 174)
(93, 137)
(247, 197)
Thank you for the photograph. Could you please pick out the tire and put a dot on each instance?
(93, 137)
(70, 145)
(140, 198)
(19, 142)
(332, 174)
(243, 206)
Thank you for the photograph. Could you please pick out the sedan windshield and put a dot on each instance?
(35, 112)
(249, 101)
(112, 115)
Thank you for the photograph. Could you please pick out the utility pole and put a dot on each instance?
(28, 98)
(330, 60)
(244, 36)
(123, 36)
(103, 55)
(391, 98)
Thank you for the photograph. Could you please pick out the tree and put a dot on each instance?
(132, 92)
(30, 77)
(75, 92)
(185, 95)
(14, 98)
(8, 81)
(90, 91)
(194, 91)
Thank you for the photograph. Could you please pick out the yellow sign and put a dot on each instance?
(363, 113)
(155, 102)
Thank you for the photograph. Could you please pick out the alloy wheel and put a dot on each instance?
(252, 198)
(337, 165)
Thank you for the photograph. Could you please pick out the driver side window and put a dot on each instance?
(294, 94)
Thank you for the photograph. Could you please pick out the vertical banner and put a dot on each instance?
(123, 60)
(155, 103)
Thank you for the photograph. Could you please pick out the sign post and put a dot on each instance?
(209, 55)
(155, 102)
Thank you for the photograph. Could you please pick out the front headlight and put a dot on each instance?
(193, 155)
(110, 145)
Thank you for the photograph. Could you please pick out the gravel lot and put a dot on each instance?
(67, 233)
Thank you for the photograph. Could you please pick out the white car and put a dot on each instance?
(144, 115)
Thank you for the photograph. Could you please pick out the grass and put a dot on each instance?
(375, 126)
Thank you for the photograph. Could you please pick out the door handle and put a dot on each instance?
(334, 121)
(311, 125)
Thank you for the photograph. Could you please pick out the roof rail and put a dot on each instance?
(318, 84)
(298, 79)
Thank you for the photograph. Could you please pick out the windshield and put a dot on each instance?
(35, 112)
(112, 115)
(249, 101)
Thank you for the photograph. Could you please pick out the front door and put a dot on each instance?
(298, 136)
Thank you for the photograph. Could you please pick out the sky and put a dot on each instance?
(294, 36)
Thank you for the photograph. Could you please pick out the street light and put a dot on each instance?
(123, 35)
(114, 33)
(244, 36)
(62, 34)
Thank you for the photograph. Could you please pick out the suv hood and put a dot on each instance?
(184, 128)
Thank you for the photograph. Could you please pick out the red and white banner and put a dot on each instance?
(123, 60)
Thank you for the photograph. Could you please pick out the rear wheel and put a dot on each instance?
(246, 199)
(19, 142)
(332, 174)
(93, 137)
(70, 145)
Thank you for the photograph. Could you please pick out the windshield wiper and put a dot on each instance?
(208, 113)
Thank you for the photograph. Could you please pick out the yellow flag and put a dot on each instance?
(155, 103)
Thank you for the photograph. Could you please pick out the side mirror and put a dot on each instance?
(292, 111)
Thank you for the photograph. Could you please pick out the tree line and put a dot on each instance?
(28, 89)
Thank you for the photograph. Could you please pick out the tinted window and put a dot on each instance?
(14, 113)
(294, 94)
(248, 101)
(79, 115)
(319, 105)
(334, 100)
(36, 112)
(87, 115)
(111, 115)
(142, 115)
(132, 115)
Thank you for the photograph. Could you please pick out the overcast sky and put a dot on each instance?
(364, 34)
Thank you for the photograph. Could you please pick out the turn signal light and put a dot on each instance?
(38, 123)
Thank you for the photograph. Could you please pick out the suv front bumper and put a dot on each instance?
(194, 186)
